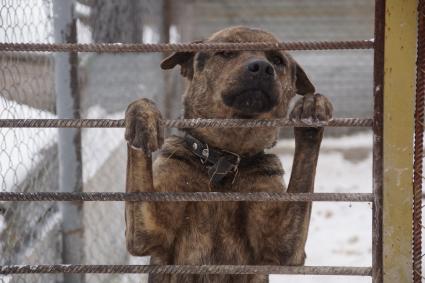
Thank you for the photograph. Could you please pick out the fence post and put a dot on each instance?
(399, 94)
(169, 92)
(378, 78)
(69, 143)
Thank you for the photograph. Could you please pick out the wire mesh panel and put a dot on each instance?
(108, 83)
(28, 158)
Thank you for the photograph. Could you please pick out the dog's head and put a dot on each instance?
(239, 84)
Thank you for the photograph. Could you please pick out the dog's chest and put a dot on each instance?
(216, 232)
(213, 233)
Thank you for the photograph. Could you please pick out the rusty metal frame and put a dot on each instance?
(185, 47)
(376, 271)
(177, 197)
(418, 153)
(184, 123)
(377, 166)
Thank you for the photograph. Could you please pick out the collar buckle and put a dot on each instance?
(205, 154)
(218, 162)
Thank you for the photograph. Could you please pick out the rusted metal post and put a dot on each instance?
(168, 77)
(166, 21)
(419, 139)
(69, 142)
(399, 94)
(378, 77)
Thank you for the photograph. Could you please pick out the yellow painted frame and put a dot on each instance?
(399, 94)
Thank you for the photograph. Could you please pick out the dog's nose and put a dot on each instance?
(260, 67)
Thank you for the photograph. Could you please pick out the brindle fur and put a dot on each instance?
(236, 233)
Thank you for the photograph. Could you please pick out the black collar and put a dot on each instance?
(219, 162)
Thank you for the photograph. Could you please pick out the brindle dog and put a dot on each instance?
(225, 84)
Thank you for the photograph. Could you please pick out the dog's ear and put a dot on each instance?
(303, 84)
(184, 59)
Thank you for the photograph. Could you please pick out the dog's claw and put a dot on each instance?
(144, 128)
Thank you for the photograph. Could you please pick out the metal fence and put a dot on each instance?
(30, 149)
(28, 157)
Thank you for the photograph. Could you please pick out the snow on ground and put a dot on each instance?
(362, 139)
(340, 233)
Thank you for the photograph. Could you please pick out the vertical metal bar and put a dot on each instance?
(136, 20)
(169, 93)
(69, 143)
(399, 95)
(418, 154)
(166, 21)
(378, 78)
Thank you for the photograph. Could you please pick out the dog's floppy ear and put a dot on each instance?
(184, 59)
(303, 84)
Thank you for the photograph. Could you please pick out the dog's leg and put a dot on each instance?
(278, 230)
(144, 135)
(307, 141)
(307, 146)
(139, 179)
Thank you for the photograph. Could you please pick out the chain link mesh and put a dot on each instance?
(28, 157)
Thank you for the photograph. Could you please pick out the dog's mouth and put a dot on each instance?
(250, 102)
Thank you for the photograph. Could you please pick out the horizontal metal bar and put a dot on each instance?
(178, 197)
(187, 269)
(185, 47)
(184, 123)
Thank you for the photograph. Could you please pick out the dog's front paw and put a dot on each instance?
(314, 107)
(311, 108)
(143, 126)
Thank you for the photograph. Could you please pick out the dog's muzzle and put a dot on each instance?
(256, 93)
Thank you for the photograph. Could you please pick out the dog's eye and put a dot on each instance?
(277, 60)
(227, 54)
